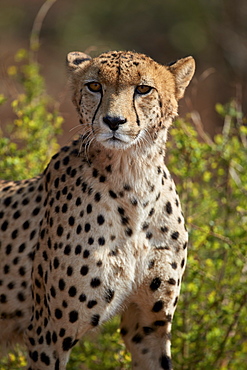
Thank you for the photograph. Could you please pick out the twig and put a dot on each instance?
(216, 235)
(37, 24)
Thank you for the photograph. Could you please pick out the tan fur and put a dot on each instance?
(101, 230)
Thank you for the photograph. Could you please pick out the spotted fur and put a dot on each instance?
(101, 231)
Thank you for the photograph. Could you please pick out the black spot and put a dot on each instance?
(137, 338)
(56, 182)
(95, 282)
(6, 269)
(73, 316)
(90, 241)
(45, 359)
(127, 187)
(16, 215)
(78, 201)
(169, 208)
(48, 338)
(3, 298)
(67, 250)
(155, 284)
(174, 265)
(128, 231)
(58, 313)
(62, 333)
(84, 270)
(164, 229)
(71, 221)
(97, 197)
(100, 219)
(72, 291)
(112, 194)
(61, 284)
(82, 298)
(78, 229)
(57, 364)
(54, 337)
(8, 249)
(78, 249)
(109, 169)
(66, 160)
(73, 173)
(86, 253)
(87, 227)
(41, 340)
(32, 234)
(69, 196)
(123, 332)
(121, 211)
(59, 230)
(53, 292)
(14, 234)
(147, 330)
(95, 320)
(10, 285)
(109, 294)
(21, 297)
(34, 356)
(165, 362)
(91, 303)
(101, 241)
(175, 301)
(89, 208)
(4, 226)
(175, 235)
(172, 281)
(16, 260)
(22, 271)
(95, 172)
(56, 262)
(157, 307)
(152, 210)
(149, 235)
(182, 263)
(159, 323)
(36, 211)
(67, 343)
(134, 201)
(7, 201)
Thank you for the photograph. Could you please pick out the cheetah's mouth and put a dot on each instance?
(115, 140)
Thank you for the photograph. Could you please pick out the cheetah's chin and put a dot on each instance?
(116, 141)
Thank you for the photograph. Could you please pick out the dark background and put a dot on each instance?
(213, 31)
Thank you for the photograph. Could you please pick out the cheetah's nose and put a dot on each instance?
(114, 122)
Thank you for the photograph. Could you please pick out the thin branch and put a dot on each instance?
(37, 25)
(216, 235)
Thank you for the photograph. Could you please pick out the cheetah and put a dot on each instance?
(101, 231)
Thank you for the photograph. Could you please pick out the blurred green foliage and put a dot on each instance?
(32, 136)
(209, 330)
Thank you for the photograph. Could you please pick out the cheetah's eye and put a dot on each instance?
(94, 86)
(143, 89)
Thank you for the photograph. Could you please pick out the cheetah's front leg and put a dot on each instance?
(146, 324)
(147, 338)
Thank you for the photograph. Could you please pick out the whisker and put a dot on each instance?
(73, 128)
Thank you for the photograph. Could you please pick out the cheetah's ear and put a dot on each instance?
(76, 59)
(183, 70)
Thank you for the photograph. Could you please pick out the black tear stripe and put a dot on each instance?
(137, 117)
(96, 111)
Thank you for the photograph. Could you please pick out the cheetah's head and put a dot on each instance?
(126, 98)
